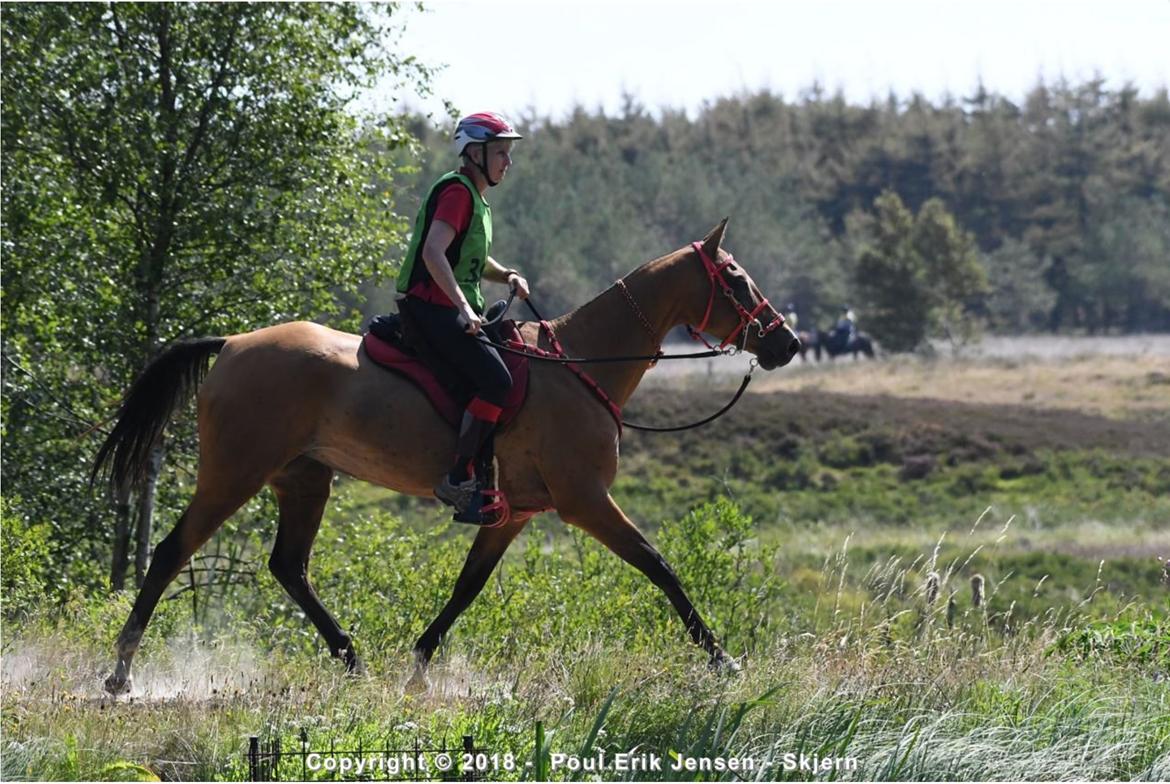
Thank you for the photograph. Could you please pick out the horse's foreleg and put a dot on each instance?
(202, 518)
(302, 490)
(606, 522)
(487, 549)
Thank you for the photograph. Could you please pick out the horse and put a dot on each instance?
(809, 341)
(831, 343)
(287, 406)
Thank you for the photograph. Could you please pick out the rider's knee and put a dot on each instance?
(495, 386)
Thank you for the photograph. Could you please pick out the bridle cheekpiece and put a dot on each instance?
(746, 317)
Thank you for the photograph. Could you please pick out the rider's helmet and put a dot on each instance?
(481, 128)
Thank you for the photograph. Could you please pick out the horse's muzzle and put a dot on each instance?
(779, 351)
(793, 349)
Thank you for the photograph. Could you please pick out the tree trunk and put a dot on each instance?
(146, 514)
(155, 261)
(119, 562)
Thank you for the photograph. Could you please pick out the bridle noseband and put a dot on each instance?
(746, 317)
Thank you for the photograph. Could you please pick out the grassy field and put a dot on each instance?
(931, 570)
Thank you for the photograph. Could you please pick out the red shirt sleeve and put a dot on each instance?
(454, 207)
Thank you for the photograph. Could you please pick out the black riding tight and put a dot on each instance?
(472, 356)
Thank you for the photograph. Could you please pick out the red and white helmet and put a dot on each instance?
(480, 128)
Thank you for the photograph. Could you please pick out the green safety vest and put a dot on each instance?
(467, 253)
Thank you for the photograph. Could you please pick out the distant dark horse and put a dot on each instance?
(835, 343)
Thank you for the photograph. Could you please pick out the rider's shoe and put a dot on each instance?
(461, 495)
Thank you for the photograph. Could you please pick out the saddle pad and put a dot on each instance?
(408, 366)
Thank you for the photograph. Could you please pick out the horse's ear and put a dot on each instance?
(714, 239)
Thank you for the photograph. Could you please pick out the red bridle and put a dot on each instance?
(746, 317)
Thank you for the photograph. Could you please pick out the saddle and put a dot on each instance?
(390, 343)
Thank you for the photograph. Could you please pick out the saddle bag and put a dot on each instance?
(390, 329)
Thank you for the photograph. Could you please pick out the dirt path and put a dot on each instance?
(1118, 378)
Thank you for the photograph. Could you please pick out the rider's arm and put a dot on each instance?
(434, 253)
(495, 272)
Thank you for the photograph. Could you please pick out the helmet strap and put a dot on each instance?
(483, 166)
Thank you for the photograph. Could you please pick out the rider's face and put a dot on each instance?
(499, 158)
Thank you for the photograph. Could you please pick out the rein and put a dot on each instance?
(726, 348)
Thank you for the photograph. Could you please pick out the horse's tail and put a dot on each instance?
(166, 384)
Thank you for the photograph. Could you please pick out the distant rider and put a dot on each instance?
(790, 315)
(845, 331)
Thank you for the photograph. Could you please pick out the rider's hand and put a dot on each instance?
(518, 284)
(474, 322)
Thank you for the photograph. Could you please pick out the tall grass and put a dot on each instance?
(891, 657)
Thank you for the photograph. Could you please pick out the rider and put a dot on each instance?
(790, 316)
(846, 328)
(439, 288)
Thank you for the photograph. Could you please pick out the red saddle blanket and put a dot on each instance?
(411, 367)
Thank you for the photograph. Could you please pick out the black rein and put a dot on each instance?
(642, 358)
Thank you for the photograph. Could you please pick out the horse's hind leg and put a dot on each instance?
(204, 515)
(302, 490)
(603, 519)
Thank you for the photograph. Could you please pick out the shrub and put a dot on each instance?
(24, 561)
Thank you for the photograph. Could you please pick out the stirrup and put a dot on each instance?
(489, 507)
(499, 508)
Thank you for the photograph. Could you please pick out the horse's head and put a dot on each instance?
(736, 311)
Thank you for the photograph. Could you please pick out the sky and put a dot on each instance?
(515, 55)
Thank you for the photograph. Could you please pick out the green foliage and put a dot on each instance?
(727, 571)
(173, 171)
(127, 771)
(1019, 297)
(386, 581)
(1130, 641)
(24, 561)
(917, 276)
(1130, 242)
(891, 277)
(955, 278)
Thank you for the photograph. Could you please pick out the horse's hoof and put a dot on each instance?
(353, 665)
(419, 683)
(723, 664)
(118, 685)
